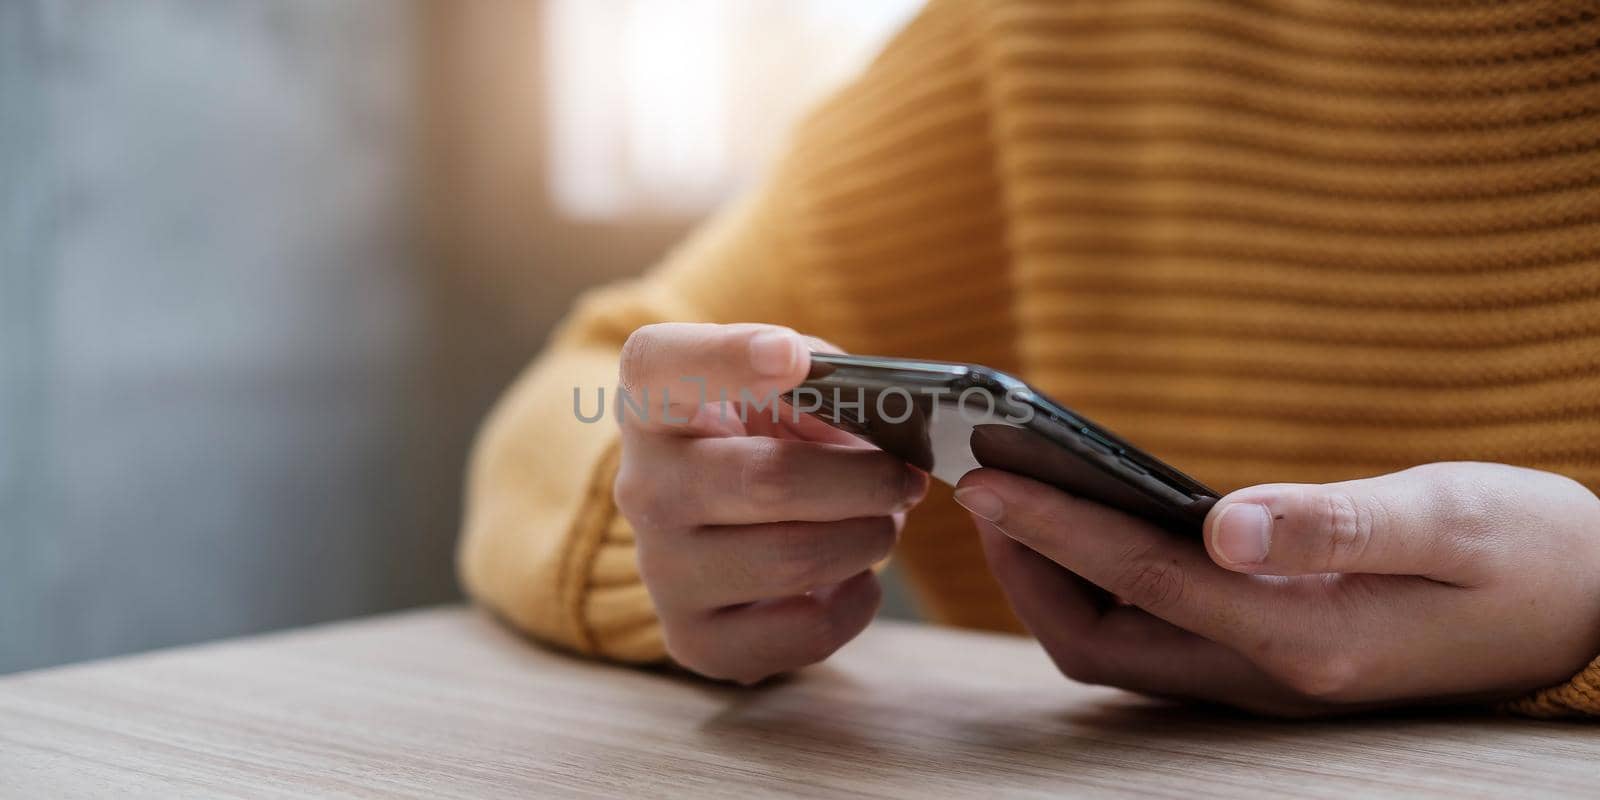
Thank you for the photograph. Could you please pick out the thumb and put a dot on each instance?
(1404, 523)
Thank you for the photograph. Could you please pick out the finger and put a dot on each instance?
(749, 643)
(1091, 641)
(1414, 522)
(1133, 559)
(668, 371)
(686, 483)
(1057, 607)
(808, 427)
(712, 568)
(787, 420)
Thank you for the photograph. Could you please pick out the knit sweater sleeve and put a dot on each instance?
(1579, 697)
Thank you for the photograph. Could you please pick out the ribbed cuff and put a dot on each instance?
(1579, 697)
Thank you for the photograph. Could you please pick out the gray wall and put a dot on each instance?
(209, 323)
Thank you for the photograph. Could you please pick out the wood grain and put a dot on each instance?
(445, 703)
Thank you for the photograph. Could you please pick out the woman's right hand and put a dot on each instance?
(756, 538)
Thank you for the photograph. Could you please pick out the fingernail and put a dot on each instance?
(914, 489)
(1244, 532)
(982, 502)
(774, 353)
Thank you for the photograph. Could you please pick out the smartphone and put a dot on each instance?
(948, 419)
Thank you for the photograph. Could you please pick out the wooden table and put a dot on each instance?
(445, 703)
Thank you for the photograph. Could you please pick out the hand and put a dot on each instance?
(755, 538)
(1446, 582)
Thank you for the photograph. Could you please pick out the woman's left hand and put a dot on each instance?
(1446, 582)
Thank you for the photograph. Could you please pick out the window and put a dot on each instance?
(665, 107)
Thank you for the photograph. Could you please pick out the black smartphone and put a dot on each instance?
(948, 419)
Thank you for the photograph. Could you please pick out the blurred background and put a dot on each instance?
(265, 264)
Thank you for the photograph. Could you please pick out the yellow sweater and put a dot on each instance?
(1276, 240)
